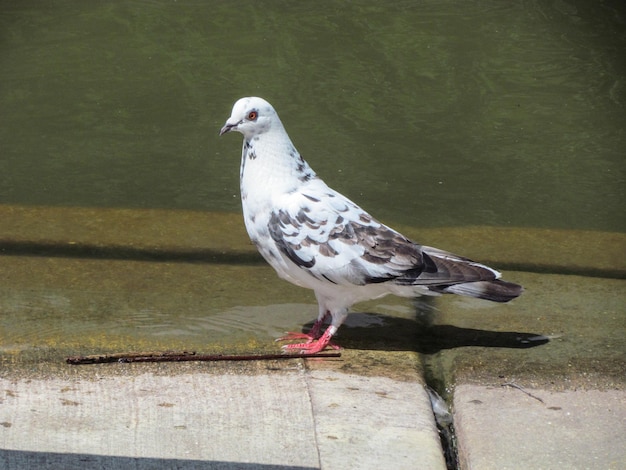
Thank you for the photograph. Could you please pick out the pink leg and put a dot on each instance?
(314, 346)
(314, 333)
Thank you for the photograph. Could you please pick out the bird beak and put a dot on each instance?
(228, 127)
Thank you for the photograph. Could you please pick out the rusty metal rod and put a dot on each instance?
(185, 356)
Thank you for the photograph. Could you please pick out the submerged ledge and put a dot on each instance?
(214, 237)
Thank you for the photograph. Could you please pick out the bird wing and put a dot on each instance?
(332, 238)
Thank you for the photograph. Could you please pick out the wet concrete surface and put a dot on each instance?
(565, 332)
(86, 281)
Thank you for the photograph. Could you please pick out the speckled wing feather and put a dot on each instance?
(334, 239)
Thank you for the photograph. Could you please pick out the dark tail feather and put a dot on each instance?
(496, 291)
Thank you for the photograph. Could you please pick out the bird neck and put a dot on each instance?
(270, 164)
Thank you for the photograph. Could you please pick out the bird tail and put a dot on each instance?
(495, 290)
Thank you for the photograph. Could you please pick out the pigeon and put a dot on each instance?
(317, 238)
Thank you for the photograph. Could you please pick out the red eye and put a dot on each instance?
(252, 116)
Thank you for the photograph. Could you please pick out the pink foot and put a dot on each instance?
(312, 346)
(290, 335)
(314, 333)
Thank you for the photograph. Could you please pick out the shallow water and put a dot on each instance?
(426, 113)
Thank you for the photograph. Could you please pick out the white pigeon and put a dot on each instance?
(317, 238)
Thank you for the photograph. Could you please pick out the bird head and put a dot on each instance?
(251, 116)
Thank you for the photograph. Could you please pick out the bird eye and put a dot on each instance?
(252, 116)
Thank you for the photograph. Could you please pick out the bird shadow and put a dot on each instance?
(375, 331)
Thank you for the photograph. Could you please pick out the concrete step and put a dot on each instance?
(275, 414)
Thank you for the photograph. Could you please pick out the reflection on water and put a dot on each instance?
(427, 113)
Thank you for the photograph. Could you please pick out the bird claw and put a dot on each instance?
(291, 335)
(308, 348)
(312, 346)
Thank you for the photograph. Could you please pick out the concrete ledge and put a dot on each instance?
(285, 417)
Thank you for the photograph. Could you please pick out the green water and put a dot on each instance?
(429, 113)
